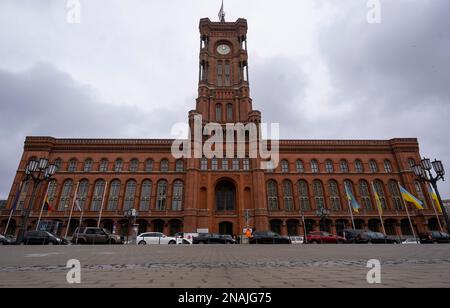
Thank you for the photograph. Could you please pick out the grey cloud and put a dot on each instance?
(46, 101)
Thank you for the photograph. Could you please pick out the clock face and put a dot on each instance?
(223, 49)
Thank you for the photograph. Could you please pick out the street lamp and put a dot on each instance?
(323, 213)
(37, 171)
(424, 174)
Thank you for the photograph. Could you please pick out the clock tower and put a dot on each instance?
(223, 86)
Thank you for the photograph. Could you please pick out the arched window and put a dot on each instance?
(72, 165)
(272, 195)
(379, 188)
(220, 73)
(387, 166)
(149, 165)
(161, 196)
(359, 168)
(118, 166)
(329, 166)
(97, 198)
(230, 112)
(288, 198)
(420, 194)
(364, 192)
(179, 165)
(405, 226)
(23, 195)
(52, 190)
(335, 197)
(177, 196)
(83, 189)
(58, 164)
(225, 196)
(299, 166)
(130, 194)
(204, 164)
(103, 165)
(164, 165)
(396, 197)
(318, 194)
(64, 200)
(344, 166)
(134, 165)
(411, 163)
(284, 166)
(218, 113)
(88, 165)
(146, 195)
(114, 193)
(373, 166)
(303, 193)
(314, 166)
(227, 74)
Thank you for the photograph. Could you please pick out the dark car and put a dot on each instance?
(320, 237)
(212, 238)
(4, 240)
(377, 238)
(42, 238)
(91, 235)
(268, 237)
(354, 236)
(434, 237)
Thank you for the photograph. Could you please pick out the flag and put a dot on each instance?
(222, 14)
(377, 200)
(47, 205)
(435, 198)
(408, 197)
(352, 200)
(78, 205)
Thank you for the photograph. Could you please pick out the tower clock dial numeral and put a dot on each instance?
(223, 49)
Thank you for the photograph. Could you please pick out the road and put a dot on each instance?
(226, 266)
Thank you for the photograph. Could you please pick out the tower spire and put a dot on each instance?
(222, 14)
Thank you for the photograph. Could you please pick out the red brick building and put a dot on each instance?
(109, 176)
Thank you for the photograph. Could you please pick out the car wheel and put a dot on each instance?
(80, 242)
(50, 243)
(112, 242)
(314, 242)
(172, 243)
(142, 243)
(339, 242)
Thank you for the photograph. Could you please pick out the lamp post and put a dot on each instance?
(322, 213)
(37, 171)
(424, 174)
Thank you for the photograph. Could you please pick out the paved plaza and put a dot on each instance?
(228, 266)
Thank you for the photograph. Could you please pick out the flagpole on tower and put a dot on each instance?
(222, 14)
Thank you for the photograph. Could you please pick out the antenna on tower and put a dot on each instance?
(222, 14)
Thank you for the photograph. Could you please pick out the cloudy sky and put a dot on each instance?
(316, 66)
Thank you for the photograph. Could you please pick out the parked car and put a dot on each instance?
(410, 241)
(378, 238)
(42, 238)
(268, 237)
(297, 239)
(213, 238)
(90, 235)
(320, 237)
(4, 240)
(354, 236)
(434, 237)
(155, 238)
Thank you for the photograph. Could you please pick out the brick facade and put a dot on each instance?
(189, 195)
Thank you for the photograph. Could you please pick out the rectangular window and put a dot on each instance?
(235, 164)
(204, 164)
(224, 164)
(246, 164)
